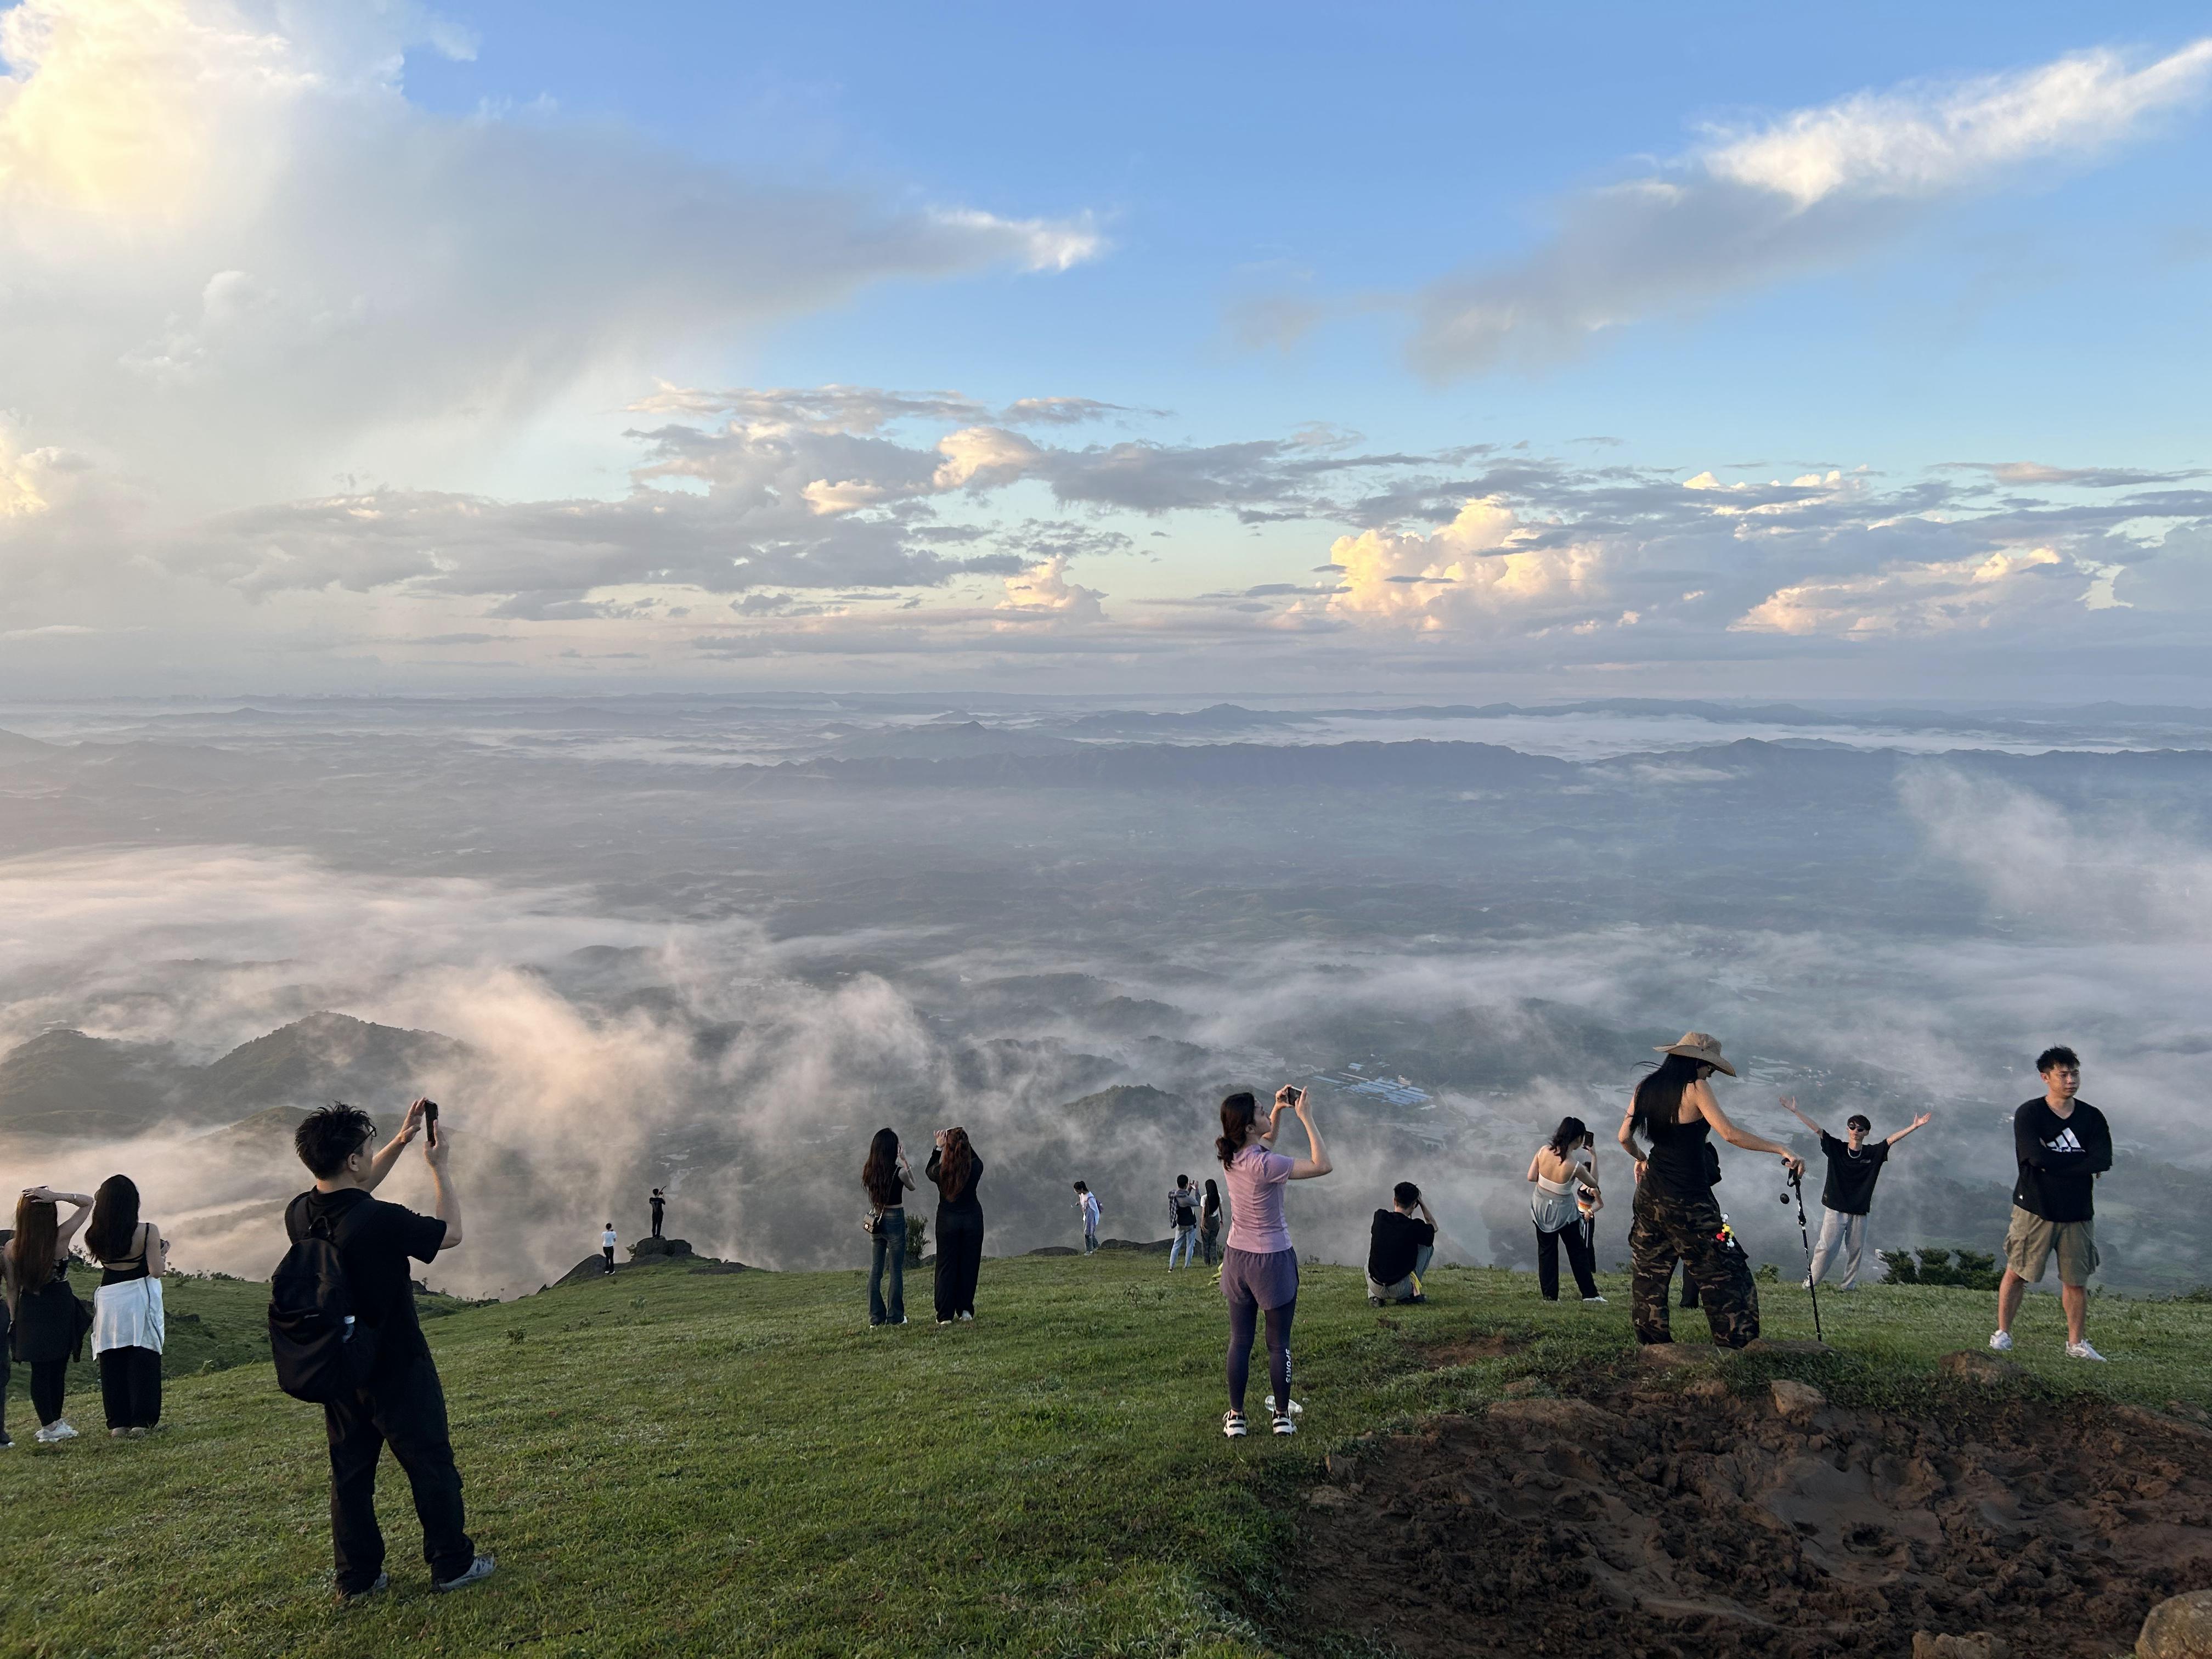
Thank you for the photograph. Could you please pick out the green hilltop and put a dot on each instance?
(674, 1462)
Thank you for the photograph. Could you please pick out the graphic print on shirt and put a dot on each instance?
(2065, 1143)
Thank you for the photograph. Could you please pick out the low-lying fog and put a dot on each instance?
(712, 943)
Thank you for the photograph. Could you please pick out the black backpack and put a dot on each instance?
(1182, 1207)
(322, 1352)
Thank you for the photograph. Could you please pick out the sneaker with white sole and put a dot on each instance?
(1233, 1424)
(2001, 1342)
(1285, 1424)
(383, 1582)
(54, 1433)
(1588, 1299)
(2083, 1350)
(479, 1570)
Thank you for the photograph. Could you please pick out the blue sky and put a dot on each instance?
(306, 368)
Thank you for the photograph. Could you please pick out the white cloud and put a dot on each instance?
(1813, 188)
(1467, 576)
(1933, 597)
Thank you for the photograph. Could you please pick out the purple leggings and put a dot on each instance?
(1243, 1323)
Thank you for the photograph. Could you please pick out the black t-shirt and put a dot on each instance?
(1852, 1176)
(374, 1246)
(1397, 1241)
(658, 1205)
(2060, 1159)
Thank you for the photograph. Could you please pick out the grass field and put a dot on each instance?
(669, 1463)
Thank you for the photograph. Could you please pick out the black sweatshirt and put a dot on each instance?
(2060, 1159)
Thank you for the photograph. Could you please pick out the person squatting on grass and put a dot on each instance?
(1399, 1248)
(48, 1321)
(1182, 1219)
(1847, 1195)
(2062, 1145)
(957, 1171)
(1086, 1201)
(130, 1326)
(1675, 1216)
(1561, 1171)
(1209, 1222)
(403, 1403)
(887, 1180)
(1259, 1273)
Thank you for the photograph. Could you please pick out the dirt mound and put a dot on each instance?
(1645, 1523)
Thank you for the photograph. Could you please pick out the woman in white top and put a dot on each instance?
(129, 1325)
(1562, 1171)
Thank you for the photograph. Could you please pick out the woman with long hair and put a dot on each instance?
(1562, 1172)
(1209, 1222)
(48, 1321)
(955, 1168)
(1675, 1216)
(129, 1322)
(888, 1181)
(1260, 1271)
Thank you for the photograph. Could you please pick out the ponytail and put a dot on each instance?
(1237, 1112)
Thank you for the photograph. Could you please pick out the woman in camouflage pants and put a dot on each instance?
(1675, 1218)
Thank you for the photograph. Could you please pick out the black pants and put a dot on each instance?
(608, 1252)
(959, 1257)
(1580, 1257)
(1243, 1324)
(49, 1380)
(131, 1387)
(405, 1409)
(656, 1221)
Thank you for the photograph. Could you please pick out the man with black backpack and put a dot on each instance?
(1182, 1219)
(343, 1327)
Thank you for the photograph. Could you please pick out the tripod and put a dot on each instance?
(1798, 1190)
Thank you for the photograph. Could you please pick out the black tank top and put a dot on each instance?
(1677, 1162)
(131, 1267)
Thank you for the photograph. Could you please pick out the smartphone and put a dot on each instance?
(430, 1119)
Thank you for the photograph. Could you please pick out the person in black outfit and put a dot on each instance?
(957, 1170)
(1399, 1246)
(1847, 1195)
(48, 1321)
(402, 1405)
(1712, 1179)
(659, 1206)
(2062, 1145)
(129, 1326)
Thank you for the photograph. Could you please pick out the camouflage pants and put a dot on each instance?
(1666, 1230)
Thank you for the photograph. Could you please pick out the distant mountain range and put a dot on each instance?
(63, 1083)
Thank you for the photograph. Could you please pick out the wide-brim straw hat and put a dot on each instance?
(1700, 1045)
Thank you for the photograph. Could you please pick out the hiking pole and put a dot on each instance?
(1797, 1187)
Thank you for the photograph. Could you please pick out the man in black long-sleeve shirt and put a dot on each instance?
(2063, 1145)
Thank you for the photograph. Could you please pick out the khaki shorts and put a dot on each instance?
(2030, 1241)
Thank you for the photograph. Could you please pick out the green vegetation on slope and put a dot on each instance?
(670, 1463)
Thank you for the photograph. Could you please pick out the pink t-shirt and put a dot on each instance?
(1256, 1179)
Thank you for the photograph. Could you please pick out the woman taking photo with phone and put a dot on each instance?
(955, 1168)
(129, 1323)
(1562, 1173)
(1259, 1270)
(1675, 1216)
(888, 1181)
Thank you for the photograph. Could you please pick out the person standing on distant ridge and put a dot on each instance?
(1675, 1216)
(958, 1172)
(2063, 1145)
(607, 1242)
(659, 1202)
(1087, 1201)
(1182, 1221)
(1260, 1273)
(1847, 1195)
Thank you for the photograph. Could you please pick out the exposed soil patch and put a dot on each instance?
(1650, 1524)
(1496, 1345)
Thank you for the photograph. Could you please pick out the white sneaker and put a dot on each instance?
(1234, 1425)
(2083, 1350)
(2001, 1342)
(1588, 1299)
(1286, 1425)
(54, 1433)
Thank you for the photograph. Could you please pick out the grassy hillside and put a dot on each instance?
(673, 1464)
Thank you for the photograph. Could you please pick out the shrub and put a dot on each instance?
(1768, 1274)
(915, 1228)
(1973, 1270)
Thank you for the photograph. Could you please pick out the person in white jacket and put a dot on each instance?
(129, 1325)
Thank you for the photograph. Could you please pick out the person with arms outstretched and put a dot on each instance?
(1847, 1195)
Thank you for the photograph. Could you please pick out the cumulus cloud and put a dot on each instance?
(239, 258)
(1904, 598)
(1467, 576)
(1810, 189)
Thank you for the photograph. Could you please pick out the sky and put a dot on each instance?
(1156, 351)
